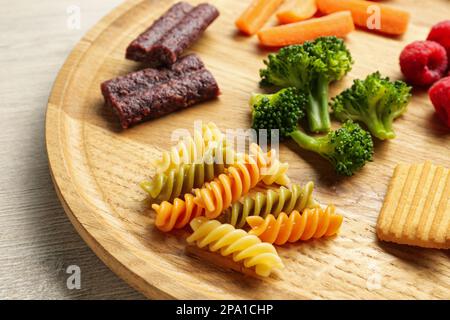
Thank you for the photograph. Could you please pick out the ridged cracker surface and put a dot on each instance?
(416, 210)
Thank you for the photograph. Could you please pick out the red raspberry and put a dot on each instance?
(440, 97)
(440, 33)
(423, 62)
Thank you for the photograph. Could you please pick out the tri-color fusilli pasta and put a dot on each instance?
(184, 178)
(271, 201)
(191, 149)
(195, 161)
(213, 197)
(242, 246)
(312, 223)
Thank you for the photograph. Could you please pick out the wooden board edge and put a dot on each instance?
(54, 154)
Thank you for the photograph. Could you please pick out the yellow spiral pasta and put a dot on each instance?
(178, 214)
(182, 179)
(242, 246)
(191, 149)
(271, 201)
(218, 195)
(312, 223)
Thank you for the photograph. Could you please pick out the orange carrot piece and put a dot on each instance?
(256, 15)
(302, 10)
(338, 24)
(393, 21)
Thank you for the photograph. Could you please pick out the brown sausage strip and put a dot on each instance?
(142, 95)
(160, 45)
(133, 83)
(186, 32)
(140, 47)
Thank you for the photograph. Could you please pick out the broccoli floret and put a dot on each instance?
(268, 108)
(310, 67)
(347, 148)
(375, 101)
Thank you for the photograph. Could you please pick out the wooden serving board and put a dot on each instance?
(96, 168)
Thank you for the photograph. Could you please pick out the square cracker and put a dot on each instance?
(416, 209)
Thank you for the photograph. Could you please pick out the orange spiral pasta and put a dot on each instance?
(218, 195)
(312, 223)
(178, 214)
(272, 170)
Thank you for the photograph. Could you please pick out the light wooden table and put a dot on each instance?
(37, 241)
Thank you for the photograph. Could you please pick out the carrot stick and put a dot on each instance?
(337, 24)
(392, 21)
(302, 10)
(256, 15)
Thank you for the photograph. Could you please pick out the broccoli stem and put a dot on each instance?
(318, 115)
(313, 113)
(305, 141)
(379, 130)
(375, 125)
(388, 130)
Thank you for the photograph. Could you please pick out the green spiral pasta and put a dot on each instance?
(166, 186)
(271, 201)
